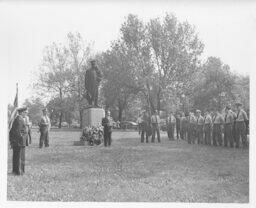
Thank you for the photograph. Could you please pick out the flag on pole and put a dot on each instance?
(15, 108)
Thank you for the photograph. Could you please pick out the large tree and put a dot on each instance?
(164, 53)
(215, 84)
(55, 74)
(80, 52)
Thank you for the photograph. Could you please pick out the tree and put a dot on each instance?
(214, 89)
(55, 73)
(120, 84)
(79, 51)
(35, 107)
(164, 54)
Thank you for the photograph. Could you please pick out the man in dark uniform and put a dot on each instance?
(145, 125)
(107, 123)
(18, 137)
(171, 122)
(93, 76)
(183, 126)
(192, 128)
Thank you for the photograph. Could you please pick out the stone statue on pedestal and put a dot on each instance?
(93, 77)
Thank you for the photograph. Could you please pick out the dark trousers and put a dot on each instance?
(178, 132)
(217, 134)
(44, 138)
(155, 130)
(191, 133)
(18, 160)
(107, 138)
(200, 134)
(28, 140)
(183, 133)
(207, 134)
(241, 132)
(228, 135)
(143, 132)
(170, 131)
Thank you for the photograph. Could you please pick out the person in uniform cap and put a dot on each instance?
(28, 126)
(44, 128)
(241, 120)
(107, 123)
(155, 122)
(228, 127)
(18, 137)
(171, 122)
(199, 127)
(218, 122)
(207, 127)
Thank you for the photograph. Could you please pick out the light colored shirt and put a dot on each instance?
(192, 119)
(46, 121)
(200, 120)
(218, 119)
(241, 116)
(208, 119)
(229, 117)
(155, 119)
(172, 119)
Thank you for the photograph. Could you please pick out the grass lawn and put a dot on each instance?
(130, 171)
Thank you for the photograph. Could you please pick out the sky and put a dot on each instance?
(228, 31)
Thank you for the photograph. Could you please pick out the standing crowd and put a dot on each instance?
(211, 128)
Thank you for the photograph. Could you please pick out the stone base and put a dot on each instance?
(80, 143)
(93, 116)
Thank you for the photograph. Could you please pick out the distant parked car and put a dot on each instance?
(75, 125)
(129, 125)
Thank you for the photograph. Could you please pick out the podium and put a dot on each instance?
(93, 117)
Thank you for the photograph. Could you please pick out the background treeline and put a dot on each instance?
(154, 65)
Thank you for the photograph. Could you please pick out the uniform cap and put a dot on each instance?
(20, 110)
(238, 104)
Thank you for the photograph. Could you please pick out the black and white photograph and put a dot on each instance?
(128, 103)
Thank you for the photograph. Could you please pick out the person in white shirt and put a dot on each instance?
(44, 128)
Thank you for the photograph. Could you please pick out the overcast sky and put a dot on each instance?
(228, 31)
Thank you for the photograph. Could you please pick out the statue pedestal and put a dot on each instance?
(93, 116)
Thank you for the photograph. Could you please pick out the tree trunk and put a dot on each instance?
(120, 110)
(158, 100)
(81, 112)
(60, 120)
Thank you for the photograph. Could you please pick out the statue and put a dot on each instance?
(93, 77)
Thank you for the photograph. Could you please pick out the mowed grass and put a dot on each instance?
(130, 171)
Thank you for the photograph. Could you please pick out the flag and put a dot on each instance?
(15, 108)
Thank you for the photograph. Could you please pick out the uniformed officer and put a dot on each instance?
(192, 128)
(183, 126)
(241, 120)
(171, 122)
(44, 127)
(207, 127)
(228, 127)
(18, 137)
(107, 123)
(155, 122)
(218, 122)
(145, 125)
(199, 127)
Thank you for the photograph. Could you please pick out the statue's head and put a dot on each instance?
(93, 62)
